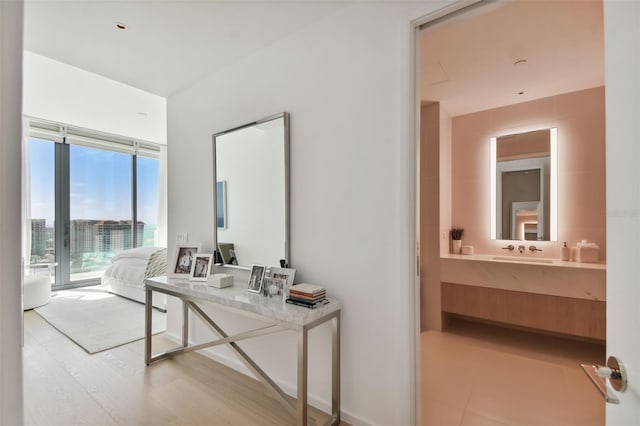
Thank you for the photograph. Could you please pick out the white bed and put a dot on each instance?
(125, 277)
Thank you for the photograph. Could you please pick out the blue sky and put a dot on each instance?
(100, 184)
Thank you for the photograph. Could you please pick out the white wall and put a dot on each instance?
(10, 212)
(345, 81)
(66, 94)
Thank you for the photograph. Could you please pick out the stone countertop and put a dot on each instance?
(525, 260)
(540, 278)
(238, 298)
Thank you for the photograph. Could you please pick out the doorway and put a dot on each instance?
(520, 93)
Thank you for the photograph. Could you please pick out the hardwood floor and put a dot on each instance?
(63, 385)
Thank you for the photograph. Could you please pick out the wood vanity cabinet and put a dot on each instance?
(557, 314)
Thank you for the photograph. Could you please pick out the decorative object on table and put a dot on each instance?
(255, 279)
(456, 239)
(217, 258)
(201, 267)
(182, 262)
(307, 295)
(225, 252)
(565, 252)
(587, 252)
(233, 259)
(275, 287)
(287, 274)
(220, 280)
(468, 250)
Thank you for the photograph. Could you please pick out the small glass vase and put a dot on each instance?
(456, 246)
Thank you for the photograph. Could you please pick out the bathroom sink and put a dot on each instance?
(523, 259)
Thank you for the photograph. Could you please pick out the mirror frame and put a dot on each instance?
(553, 182)
(287, 186)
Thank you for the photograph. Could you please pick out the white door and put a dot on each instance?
(622, 76)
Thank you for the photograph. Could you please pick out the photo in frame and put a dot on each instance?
(201, 267)
(256, 277)
(183, 258)
(275, 287)
(287, 274)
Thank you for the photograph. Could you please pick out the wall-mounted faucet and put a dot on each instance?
(533, 249)
(521, 249)
(510, 247)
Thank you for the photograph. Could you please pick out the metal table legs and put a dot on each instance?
(300, 408)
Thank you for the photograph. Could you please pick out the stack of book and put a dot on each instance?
(307, 295)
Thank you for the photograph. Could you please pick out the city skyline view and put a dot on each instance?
(100, 205)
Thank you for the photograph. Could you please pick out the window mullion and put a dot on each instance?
(62, 223)
(134, 201)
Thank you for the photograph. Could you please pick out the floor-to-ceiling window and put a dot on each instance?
(100, 209)
(92, 196)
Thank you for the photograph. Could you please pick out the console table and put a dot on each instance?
(277, 315)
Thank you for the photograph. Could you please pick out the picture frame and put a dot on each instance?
(225, 252)
(201, 266)
(221, 204)
(285, 273)
(182, 260)
(256, 277)
(275, 287)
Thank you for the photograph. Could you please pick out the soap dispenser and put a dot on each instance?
(565, 252)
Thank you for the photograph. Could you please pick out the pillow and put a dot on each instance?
(157, 265)
(143, 253)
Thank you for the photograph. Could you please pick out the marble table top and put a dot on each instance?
(238, 298)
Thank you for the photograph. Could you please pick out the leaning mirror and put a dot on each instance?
(251, 192)
(523, 186)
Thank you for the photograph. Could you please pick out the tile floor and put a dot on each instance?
(482, 375)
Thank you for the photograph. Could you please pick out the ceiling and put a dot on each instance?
(168, 44)
(468, 62)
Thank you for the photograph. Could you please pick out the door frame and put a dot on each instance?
(445, 12)
(620, 31)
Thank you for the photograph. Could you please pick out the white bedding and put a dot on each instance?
(128, 271)
(143, 253)
(126, 275)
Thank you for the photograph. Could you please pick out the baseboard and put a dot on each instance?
(288, 388)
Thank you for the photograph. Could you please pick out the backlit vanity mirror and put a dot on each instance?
(251, 192)
(523, 186)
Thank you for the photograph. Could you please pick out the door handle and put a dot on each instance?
(614, 373)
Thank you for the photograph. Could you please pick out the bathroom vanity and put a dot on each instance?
(550, 295)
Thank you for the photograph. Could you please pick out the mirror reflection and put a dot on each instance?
(524, 186)
(251, 192)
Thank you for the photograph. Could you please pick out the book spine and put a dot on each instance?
(308, 290)
(307, 294)
(306, 299)
(306, 304)
(298, 296)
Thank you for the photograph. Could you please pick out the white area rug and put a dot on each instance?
(97, 320)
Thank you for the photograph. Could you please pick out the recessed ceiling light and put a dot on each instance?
(519, 62)
(521, 93)
(121, 26)
(142, 114)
